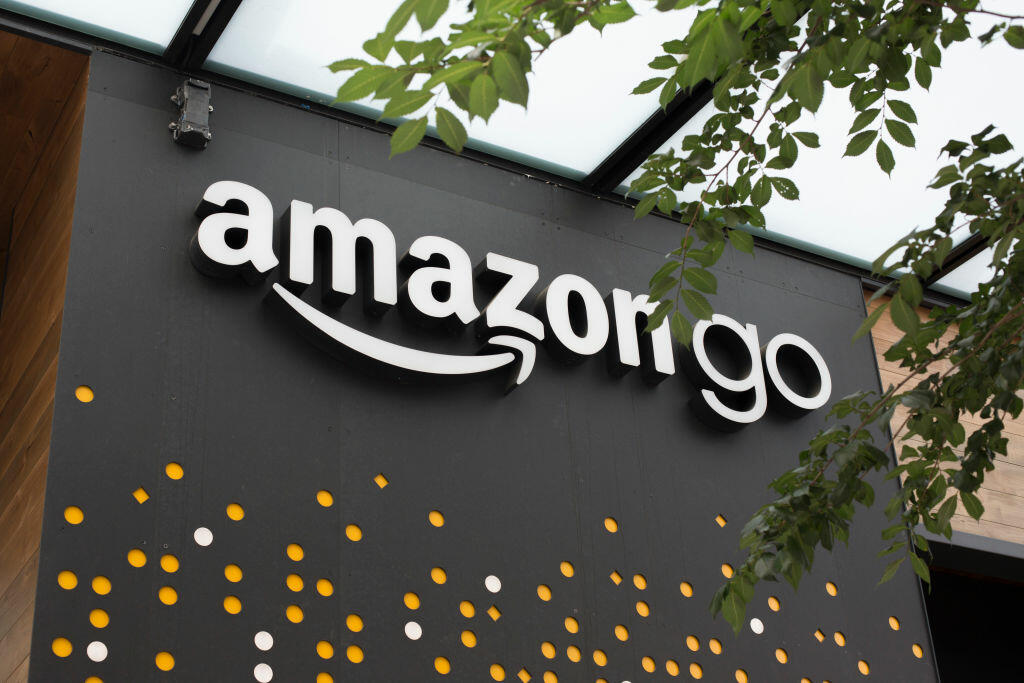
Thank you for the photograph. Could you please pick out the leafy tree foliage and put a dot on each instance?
(771, 61)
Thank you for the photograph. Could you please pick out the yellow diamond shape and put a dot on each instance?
(820, 636)
(140, 495)
(524, 675)
(616, 577)
(493, 612)
(721, 520)
(381, 480)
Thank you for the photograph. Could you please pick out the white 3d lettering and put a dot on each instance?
(235, 237)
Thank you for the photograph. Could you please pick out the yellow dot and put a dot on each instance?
(323, 677)
(819, 636)
(693, 643)
(101, 585)
(169, 563)
(548, 650)
(831, 589)
(715, 646)
(611, 525)
(616, 578)
(436, 518)
(544, 592)
(672, 667)
(600, 658)
(567, 569)
(805, 680)
(917, 650)
(84, 394)
(438, 575)
(571, 625)
(73, 514)
(235, 512)
(61, 647)
(324, 587)
(412, 601)
(686, 589)
(174, 470)
(469, 639)
(164, 661)
(467, 609)
(136, 558)
(354, 623)
(643, 609)
(325, 498)
(442, 665)
(573, 653)
(497, 672)
(727, 570)
(167, 595)
(232, 605)
(294, 582)
(622, 633)
(140, 495)
(381, 480)
(781, 655)
(550, 677)
(863, 667)
(773, 604)
(67, 580)
(293, 613)
(648, 664)
(640, 581)
(894, 623)
(294, 552)
(353, 533)
(324, 649)
(354, 653)
(741, 676)
(98, 618)
(840, 639)
(696, 671)
(233, 573)
(94, 679)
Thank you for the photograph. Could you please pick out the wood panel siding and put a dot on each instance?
(1003, 491)
(41, 113)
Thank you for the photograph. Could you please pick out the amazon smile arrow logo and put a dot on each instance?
(571, 318)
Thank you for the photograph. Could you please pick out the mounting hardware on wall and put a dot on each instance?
(192, 128)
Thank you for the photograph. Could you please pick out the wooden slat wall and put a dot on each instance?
(1003, 492)
(41, 112)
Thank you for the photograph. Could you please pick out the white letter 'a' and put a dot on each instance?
(210, 251)
(458, 306)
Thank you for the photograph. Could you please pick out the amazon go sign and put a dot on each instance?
(735, 375)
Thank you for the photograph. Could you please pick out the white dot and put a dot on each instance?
(204, 537)
(413, 631)
(492, 583)
(96, 651)
(264, 640)
(757, 626)
(263, 673)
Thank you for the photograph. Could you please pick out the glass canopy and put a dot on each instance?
(145, 24)
(848, 208)
(580, 102)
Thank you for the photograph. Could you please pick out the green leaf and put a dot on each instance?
(458, 71)
(860, 142)
(734, 610)
(971, 503)
(1015, 37)
(681, 328)
(900, 132)
(406, 103)
(363, 83)
(451, 130)
(911, 290)
(902, 110)
(429, 11)
(945, 512)
(808, 139)
(869, 321)
(903, 316)
(786, 188)
(701, 279)
(920, 568)
(400, 18)
(649, 85)
(379, 46)
(347, 65)
(858, 53)
(612, 14)
(483, 97)
(742, 241)
(884, 157)
(762, 192)
(864, 118)
(408, 135)
(645, 205)
(890, 571)
(701, 61)
(784, 12)
(923, 73)
(697, 304)
(807, 87)
(510, 78)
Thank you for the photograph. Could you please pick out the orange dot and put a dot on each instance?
(324, 650)
(467, 609)
(101, 585)
(354, 654)
(174, 471)
(67, 580)
(295, 552)
(325, 588)
(136, 558)
(235, 512)
(61, 647)
(325, 498)
(164, 661)
(442, 665)
(436, 518)
(567, 569)
(293, 613)
(167, 595)
(84, 394)
(611, 524)
(73, 514)
(544, 592)
(686, 589)
(411, 600)
(232, 605)
(354, 623)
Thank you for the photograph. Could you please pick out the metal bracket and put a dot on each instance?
(192, 128)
